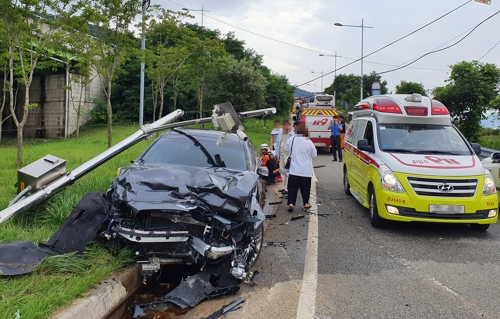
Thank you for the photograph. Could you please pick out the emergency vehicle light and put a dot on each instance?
(438, 108)
(362, 106)
(416, 110)
(386, 106)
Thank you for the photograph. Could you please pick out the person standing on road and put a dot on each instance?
(276, 134)
(287, 132)
(342, 132)
(335, 129)
(301, 151)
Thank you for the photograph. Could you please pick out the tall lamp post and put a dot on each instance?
(321, 79)
(334, 74)
(362, 26)
(145, 6)
(202, 10)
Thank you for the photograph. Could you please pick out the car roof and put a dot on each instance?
(208, 134)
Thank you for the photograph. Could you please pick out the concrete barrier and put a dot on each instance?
(102, 300)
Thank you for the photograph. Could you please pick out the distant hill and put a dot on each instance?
(299, 92)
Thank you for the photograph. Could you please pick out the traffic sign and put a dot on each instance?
(375, 88)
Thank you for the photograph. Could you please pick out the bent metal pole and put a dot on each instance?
(69, 178)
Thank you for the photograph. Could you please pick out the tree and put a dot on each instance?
(471, 87)
(169, 47)
(238, 82)
(33, 28)
(347, 90)
(279, 92)
(410, 88)
(111, 20)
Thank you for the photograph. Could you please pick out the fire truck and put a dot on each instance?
(316, 117)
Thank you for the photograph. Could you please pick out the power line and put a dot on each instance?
(488, 51)
(257, 34)
(344, 66)
(434, 51)
(354, 60)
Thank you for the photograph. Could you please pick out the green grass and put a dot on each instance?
(490, 141)
(59, 280)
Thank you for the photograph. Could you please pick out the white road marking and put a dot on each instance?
(307, 299)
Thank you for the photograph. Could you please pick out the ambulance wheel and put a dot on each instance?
(375, 219)
(480, 227)
(347, 187)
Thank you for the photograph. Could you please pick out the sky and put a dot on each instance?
(308, 25)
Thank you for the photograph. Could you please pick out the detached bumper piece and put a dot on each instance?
(81, 227)
(209, 283)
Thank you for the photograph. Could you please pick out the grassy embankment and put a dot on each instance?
(61, 279)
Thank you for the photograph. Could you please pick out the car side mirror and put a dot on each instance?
(476, 147)
(495, 157)
(262, 171)
(364, 146)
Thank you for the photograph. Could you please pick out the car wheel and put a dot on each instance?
(347, 187)
(375, 219)
(480, 227)
(252, 251)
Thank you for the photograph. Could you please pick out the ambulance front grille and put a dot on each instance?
(443, 187)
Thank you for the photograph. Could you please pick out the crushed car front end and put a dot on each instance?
(175, 214)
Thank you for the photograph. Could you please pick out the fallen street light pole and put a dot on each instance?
(45, 190)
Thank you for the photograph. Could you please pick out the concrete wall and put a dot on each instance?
(48, 92)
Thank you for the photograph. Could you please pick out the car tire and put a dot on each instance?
(375, 219)
(480, 227)
(252, 251)
(347, 187)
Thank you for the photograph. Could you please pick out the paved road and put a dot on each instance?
(338, 266)
(403, 271)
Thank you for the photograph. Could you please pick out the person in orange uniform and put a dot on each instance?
(271, 165)
(342, 131)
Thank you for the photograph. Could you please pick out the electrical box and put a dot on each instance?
(226, 122)
(40, 173)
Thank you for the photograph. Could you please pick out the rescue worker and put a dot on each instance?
(342, 131)
(335, 129)
(271, 164)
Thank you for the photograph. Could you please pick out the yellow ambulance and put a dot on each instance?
(405, 161)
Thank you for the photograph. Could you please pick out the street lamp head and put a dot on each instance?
(321, 54)
(338, 24)
(185, 9)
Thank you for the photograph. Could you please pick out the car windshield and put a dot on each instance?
(176, 148)
(422, 139)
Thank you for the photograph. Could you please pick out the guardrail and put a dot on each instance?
(486, 152)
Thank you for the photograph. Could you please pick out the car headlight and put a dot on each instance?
(489, 187)
(388, 180)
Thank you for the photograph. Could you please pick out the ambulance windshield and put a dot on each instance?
(422, 139)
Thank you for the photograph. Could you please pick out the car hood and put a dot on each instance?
(183, 188)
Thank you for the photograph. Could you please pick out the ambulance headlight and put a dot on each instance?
(389, 181)
(489, 184)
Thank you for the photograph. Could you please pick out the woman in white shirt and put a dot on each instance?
(301, 151)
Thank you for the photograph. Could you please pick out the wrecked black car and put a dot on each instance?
(192, 197)
(187, 200)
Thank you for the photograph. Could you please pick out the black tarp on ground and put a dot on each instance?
(81, 227)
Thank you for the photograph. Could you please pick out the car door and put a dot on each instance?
(355, 179)
(362, 165)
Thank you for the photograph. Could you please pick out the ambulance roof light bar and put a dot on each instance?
(386, 106)
(415, 97)
(438, 108)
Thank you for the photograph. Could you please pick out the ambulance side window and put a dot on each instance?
(359, 131)
(369, 133)
(351, 130)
